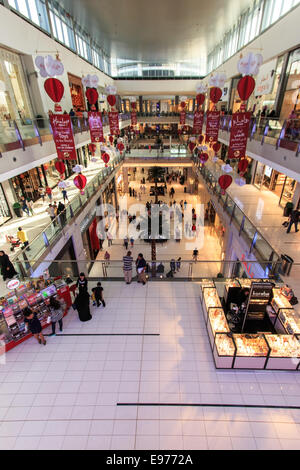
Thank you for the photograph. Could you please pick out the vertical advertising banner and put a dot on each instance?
(96, 128)
(198, 122)
(113, 117)
(239, 135)
(212, 126)
(182, 118)
(63, 136)
(133, 118)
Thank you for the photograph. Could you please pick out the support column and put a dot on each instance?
(141, 103)
(125, 180)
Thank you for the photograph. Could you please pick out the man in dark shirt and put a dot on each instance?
(294, 219)
(141, 268)
(99, 295)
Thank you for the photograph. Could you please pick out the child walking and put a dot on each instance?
(99, 295)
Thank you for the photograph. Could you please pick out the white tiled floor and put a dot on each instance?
(65, 395)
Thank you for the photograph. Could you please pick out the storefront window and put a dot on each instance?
(14, 99)
(291, 100)
(5, 214)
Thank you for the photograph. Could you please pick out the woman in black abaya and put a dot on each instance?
(82, 304)
(7, 269)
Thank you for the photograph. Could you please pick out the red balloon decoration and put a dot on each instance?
(111, 100)
(203, 158)
(246, 87)
(216, 147)
(192, 146)
(133, 105)
(80, 182)
(183, 104)
(243, 165)
(54, 89)
(60, 167)
(92, 148)
(92, 95)
(200, 99)
(216, 94)
(111, 139)
(105, 158)
(120, 147)
(225, 181)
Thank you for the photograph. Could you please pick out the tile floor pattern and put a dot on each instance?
(64, 395)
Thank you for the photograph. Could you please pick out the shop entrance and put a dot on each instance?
(268, 179)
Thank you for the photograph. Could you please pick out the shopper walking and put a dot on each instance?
(61, 212)
(82, 305)
(42, 193)
(293, 220)
(51, 212)
(141, 269)
(7, 269)
(82, 283)
(195, 254)
(57, 309)
(178, 264)
(49, 193)
(126, 243)
(127, 267)
(34, 325)
(22, 236)
(99, 295)
(65, 195)
(30, 206)
(24, 206)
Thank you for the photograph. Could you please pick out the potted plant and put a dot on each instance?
(17, 209)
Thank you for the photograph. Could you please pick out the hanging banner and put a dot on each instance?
(182, 118)
(212, 126)
(113, 117)
(198, 122)
(239, 135)
(63, 136)
(96, 128)
(133, 118)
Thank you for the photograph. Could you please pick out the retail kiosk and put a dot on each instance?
(276, 349)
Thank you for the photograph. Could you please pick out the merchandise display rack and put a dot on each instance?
(261, 351)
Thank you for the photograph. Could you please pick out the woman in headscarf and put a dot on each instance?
(7, 269)
(82, 304)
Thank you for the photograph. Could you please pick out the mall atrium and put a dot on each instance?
(149, 210)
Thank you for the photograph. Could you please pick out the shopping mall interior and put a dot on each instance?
(149, 211)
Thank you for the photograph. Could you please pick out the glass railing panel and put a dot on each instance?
(262, 247)
(249, 229)
(230, 204)
(238, 216)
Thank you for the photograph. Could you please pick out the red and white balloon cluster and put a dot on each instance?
(90, 81)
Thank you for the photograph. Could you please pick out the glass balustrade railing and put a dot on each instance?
(258, 245)
(18, 133)
(50, 233)
(158, 270)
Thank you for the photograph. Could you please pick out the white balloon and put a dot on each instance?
(215, 159)
(240, 181)
(78, 169)
(250, 64)
(227, 168)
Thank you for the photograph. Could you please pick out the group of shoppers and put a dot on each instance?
(140, 264)
(82, 300)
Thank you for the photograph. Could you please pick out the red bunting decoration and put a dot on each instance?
(92, 96)
(243, 165)
(246, 87)
(111, 100)
(60, 167)
(225, 181)
(54, 89)
(105, 158)
(200, 99)
(80, 182)
(215, 94)
(216, 147)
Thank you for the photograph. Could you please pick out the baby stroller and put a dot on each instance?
(14, 242)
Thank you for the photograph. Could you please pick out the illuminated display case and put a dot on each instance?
(279, 301)
(205, 283)
(285, 352)
(251, 351)
(210, 299)
(224, 351)
(216, 323)
(290, 320)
